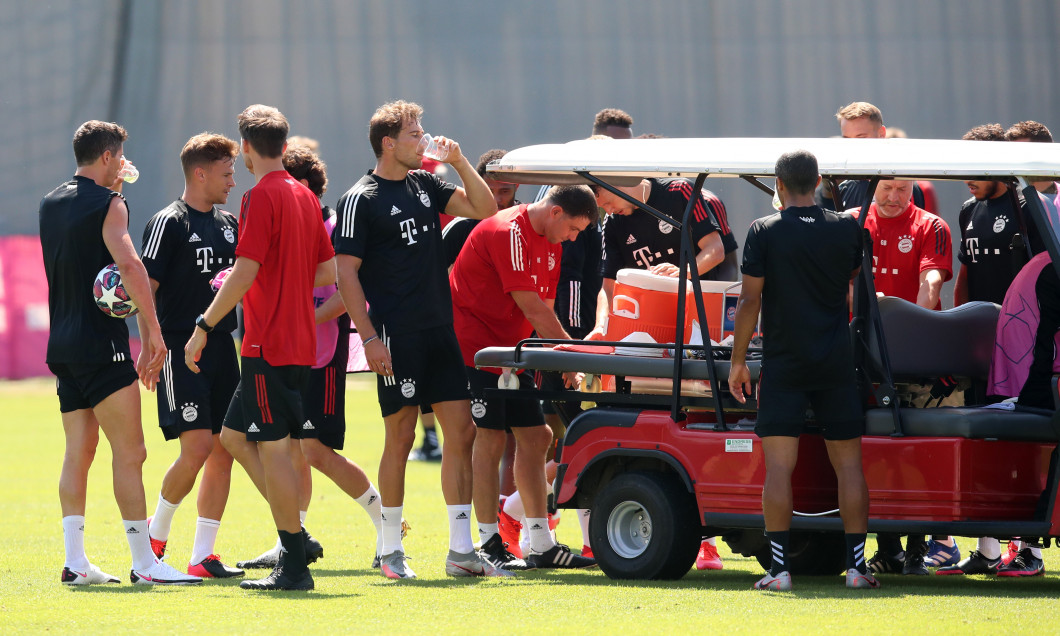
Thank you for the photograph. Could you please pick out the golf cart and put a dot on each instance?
(662, 468)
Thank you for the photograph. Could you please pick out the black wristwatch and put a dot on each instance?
(200, 322)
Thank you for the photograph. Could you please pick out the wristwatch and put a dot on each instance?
(200, 322)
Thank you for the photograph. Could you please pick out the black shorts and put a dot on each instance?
(552, 381)
(428, 368)
(83, 386)
(267, 405)
(192, 401)
(837, 411)
(499, 414)
(324, 401)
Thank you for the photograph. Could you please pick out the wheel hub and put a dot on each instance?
(629, 529)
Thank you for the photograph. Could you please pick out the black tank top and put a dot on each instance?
(71, 236)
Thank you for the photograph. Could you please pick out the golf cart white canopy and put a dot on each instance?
(623, 161)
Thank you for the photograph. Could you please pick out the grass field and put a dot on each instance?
(351, 597)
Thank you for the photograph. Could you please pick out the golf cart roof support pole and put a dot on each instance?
(1040, 218)
(628, 199)
(833, 188)
(758, 184)
(865, 292)
(689, 268)
(1013, 193)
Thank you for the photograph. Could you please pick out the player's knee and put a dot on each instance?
(535, 438)
(316, 454)
(131, 455)
(234, 442)
(195, 453)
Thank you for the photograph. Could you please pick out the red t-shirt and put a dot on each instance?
(280, 228)
(904, 246)
(503, 254)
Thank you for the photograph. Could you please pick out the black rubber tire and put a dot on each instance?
(811, 554)
(644, 503)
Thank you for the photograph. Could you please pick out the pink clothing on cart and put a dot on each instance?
(1017, 327)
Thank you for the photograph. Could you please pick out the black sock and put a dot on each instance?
(294, 552)
(889, 543)
(915, 545)
(430, 439)
(856, 552)
(778, 545)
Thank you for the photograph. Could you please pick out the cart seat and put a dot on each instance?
(923, 343)
(1024, 424)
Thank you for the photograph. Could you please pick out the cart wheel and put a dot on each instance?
(644, 526)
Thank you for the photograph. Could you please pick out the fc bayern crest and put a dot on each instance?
(190, 412)
(905, 244)
(665, 227)
(408, 388)
(424, 199)
(551, 261)
(999, 224)
(478, 408)
(230, 236)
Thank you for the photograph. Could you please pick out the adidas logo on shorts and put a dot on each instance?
(307, 426)
(253, 428)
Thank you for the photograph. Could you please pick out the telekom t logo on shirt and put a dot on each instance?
(408, 230)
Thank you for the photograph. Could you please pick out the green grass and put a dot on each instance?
(350, 597)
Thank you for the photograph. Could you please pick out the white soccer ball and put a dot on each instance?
(110, 294)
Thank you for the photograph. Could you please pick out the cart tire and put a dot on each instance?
(644, 526)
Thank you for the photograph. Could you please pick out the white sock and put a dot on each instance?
(540, 538)
(373, 505)
(583, 519)
(989, 547)
(391, 518)
(139, 544)
(205, 538)
(487, 530)
(711, 541)
(301, 516)
(513, 506)
(948, 542)
(1018, 543)
(460, 528)
(162, 519)
(74, 539)
(1037, 552)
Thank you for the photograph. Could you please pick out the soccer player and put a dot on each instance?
(797, 265)
(83, 228)
(634, 238)
(283, 252)
(990, 255)
(504, 286)
(184, 246)
(861, 120)
(389, 245)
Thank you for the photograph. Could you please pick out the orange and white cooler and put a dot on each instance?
(647, 303)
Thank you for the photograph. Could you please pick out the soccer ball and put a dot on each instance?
(219, 279)
(110, 295)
